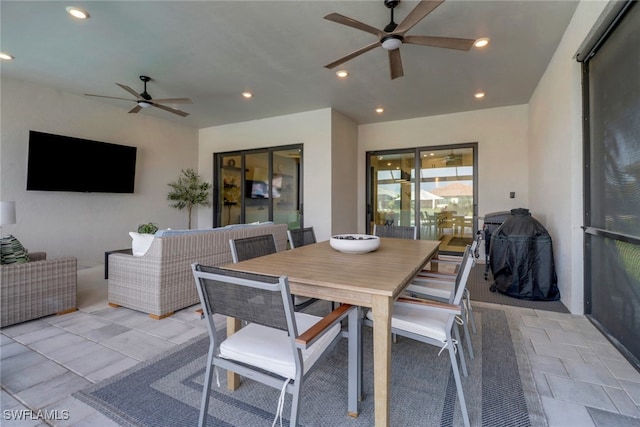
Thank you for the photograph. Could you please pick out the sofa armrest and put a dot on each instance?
(35, 289)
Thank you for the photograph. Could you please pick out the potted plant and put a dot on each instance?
(189, 191)
(148, 228)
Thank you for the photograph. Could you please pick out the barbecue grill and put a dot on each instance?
(492, 221)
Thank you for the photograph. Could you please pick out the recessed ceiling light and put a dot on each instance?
(77, 12)
(479, 95)
(481, 42)
(6, 56)
(379, 110)
(247, 94)
(342, 74)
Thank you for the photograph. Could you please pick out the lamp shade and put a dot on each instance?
(7, 213)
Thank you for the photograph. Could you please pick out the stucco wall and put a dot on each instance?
(501, 134)
(555, 155)
(85, 225)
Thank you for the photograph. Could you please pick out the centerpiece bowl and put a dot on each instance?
(355, 243)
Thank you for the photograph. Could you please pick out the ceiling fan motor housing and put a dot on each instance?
(391, 3)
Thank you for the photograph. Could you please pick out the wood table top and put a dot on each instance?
(385, 271)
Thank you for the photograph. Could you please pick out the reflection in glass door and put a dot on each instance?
(445, 206)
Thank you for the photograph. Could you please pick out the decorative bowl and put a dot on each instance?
(355, 243)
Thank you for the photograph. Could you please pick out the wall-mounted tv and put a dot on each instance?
(63, 163)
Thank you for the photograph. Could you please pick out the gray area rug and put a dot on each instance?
(500, 389)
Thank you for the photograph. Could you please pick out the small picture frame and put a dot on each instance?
(231, 163)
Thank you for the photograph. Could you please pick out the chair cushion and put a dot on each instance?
(270, 349)
(414, 319)
(12, 251)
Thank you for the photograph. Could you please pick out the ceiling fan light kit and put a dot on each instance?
(144, 100)
(393, 35)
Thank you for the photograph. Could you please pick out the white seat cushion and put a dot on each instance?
(412, 318)
(437, 290)
(270, 349)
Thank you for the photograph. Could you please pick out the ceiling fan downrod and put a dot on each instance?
(144, 94)
(391, 26)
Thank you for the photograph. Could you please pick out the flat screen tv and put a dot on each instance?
(63, 163)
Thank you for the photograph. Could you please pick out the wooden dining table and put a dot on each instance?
(372, 280)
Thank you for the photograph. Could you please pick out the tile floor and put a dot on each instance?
(582, 380)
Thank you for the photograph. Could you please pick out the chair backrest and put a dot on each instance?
(399, 231)
(252, 247)
(255, 298)
(463, 276)
(301, 237)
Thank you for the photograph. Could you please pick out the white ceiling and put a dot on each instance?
(211, 51)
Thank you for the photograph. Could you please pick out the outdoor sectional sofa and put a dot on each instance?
(161, 282)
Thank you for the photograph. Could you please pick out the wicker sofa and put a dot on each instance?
(161, 281)
(37, 288)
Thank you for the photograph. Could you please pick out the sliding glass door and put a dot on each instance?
(259, 185)
(440, 198)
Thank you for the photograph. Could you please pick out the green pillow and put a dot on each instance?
(12, 251)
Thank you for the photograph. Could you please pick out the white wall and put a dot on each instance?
(501, 134)
(555, 155)
(85, 225)
(313, 129)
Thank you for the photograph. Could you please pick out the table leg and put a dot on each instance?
(233, 379)
(381, 307)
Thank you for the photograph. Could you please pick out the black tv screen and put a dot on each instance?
(63, 163)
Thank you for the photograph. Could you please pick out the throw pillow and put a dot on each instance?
(12, 251)
(140, 243)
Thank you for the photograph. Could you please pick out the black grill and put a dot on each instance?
(492, 221)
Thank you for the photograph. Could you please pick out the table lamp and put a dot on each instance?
(7, 213)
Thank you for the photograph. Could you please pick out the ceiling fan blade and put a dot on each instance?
(353, 55)
(350, 22)
(135, 109)
(131, 91)
(171, 110)
(110, 97)
(173, 101)
(423, 8)
(445, 42)
(395, 64)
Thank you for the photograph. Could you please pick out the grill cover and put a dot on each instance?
(522, 259)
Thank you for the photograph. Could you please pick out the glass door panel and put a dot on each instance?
(447, 197)
(285, 188)
(392, 182)
(230, 198)
(257, 187)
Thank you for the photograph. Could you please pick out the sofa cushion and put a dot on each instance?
(12, 251)
(140, 243)
(168, 232)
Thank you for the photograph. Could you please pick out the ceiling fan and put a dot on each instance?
(393, 35)
(144, 100)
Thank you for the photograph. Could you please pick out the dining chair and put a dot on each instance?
(301, 237)
(252, 247)
(398, 231)
(433, 323)
(297, 238)
(278, 347)
(439, 275)
(443, 289)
